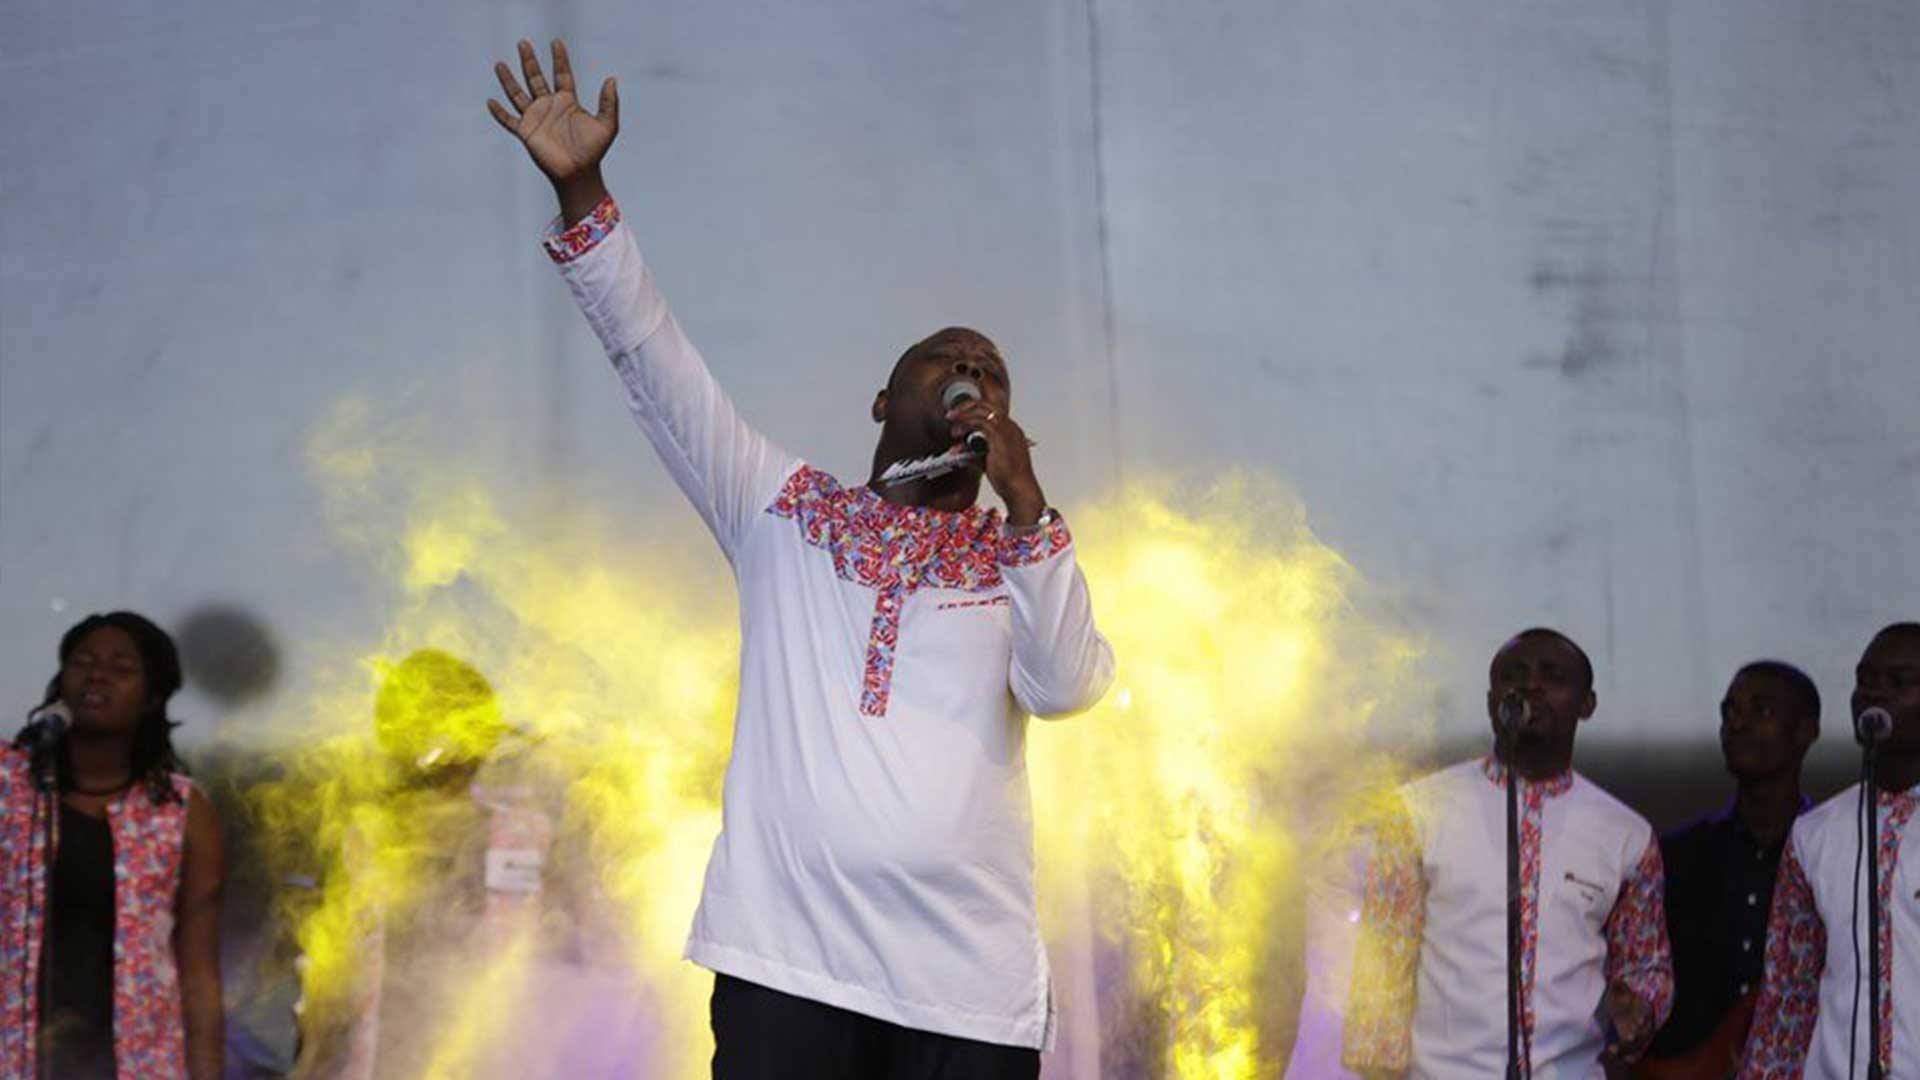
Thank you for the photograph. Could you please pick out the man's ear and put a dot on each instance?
(1587, 706)
(880, 407)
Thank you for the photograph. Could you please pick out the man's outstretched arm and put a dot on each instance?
(728, 470)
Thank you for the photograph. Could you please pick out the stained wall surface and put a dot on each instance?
(1599, 316)
(1592, 315)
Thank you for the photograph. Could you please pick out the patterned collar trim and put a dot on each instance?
(1496, 773)
(564, 245)
(899, 550)
(1902, 801)
(879, 511)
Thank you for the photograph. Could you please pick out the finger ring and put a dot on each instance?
(990, 414)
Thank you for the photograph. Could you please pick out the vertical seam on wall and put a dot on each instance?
(1665, 253)
(1109, 340)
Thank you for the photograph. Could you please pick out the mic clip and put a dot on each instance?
(1873, 726)
(46, 730)
(1512, 712)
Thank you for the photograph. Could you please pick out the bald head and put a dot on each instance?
(1544, 635)
(942, 348)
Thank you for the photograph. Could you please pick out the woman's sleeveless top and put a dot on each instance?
(148, 840)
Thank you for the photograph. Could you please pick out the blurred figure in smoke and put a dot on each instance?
(869, 907)
(1720, 872)
(441, 877)
(130, 908)
(1430, 969)
(1812, 1019)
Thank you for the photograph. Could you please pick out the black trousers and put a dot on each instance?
(762, 1034)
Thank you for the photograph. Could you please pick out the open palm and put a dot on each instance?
(564, 140)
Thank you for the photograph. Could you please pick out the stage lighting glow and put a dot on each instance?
(1176, 824)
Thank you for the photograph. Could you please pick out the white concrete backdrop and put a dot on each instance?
(1594, 315)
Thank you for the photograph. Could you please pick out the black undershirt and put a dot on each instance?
(1719, 889)
(76, 1031)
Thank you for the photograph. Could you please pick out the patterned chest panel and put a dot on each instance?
(22, 897)
(893, 550)
(148, 843)
(1533, 796)
(1895, 812)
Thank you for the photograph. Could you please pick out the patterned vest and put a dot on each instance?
(149, 1038)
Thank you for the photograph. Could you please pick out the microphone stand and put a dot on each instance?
(1513, 900)
(1874, 990)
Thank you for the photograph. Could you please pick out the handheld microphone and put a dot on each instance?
(46, 726)
(1873, 725)
(1512, 713)
(958, 393)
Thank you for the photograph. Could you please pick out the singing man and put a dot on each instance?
(1812, 1019)
(1429, 992)
(1721, 869)
(869, 905)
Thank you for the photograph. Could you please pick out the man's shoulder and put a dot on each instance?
(1694, 833)
(1602, 808)
(1434, 798)
(1833, 817)
(808, 492)
(1460, 774)
(1688, 854)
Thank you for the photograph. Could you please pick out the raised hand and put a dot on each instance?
(566, 141)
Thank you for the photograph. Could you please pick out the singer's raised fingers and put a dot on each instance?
(562, 68)
(505, 118)
(511, 85)
(530, 67)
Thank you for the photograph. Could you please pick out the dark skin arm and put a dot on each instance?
(1718, 1056)
(566, 141)
(1632, 1021)
(196, 939)
(567, 144)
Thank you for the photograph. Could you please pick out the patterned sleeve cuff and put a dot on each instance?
(565, 245)
(1038, 543)
(1638, 953)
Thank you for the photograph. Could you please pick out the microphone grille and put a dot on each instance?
(959, 391)
(54, 714)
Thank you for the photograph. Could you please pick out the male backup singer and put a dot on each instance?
(1813, 1020)
(1428, 999)
(1721, 869)
(868, 909)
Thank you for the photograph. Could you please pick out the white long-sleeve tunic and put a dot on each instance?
(876, 851)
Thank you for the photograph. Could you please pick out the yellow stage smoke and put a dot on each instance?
(1196, 804)
(1176, 825)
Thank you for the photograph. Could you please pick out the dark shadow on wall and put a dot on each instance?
(229, 653)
